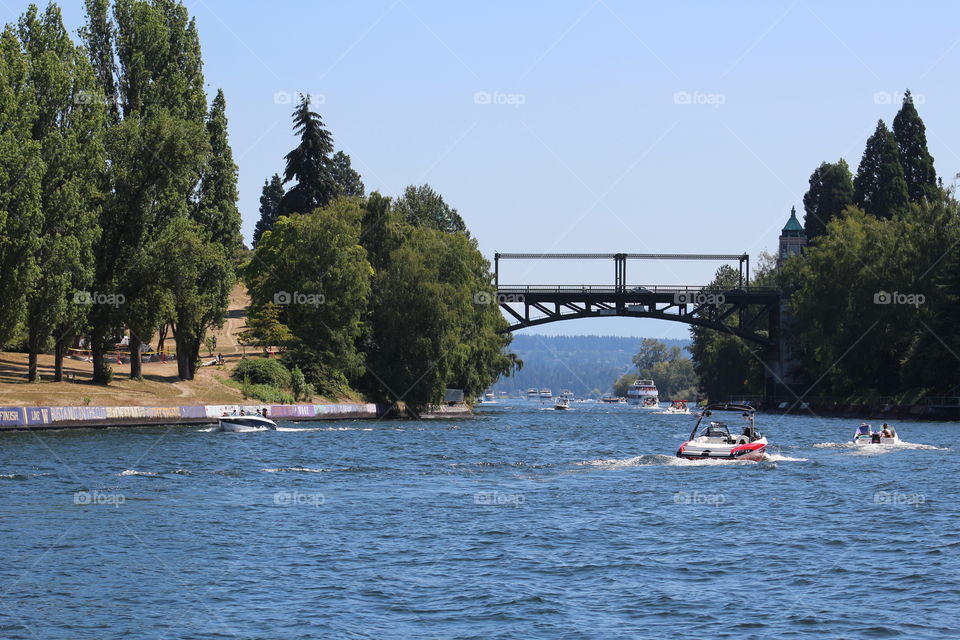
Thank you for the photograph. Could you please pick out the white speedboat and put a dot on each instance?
(561, 402)
(714, 441)
(678, 407)
(644, 394)
(865, 435)
(246, 423)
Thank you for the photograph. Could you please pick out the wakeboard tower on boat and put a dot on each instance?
(714, 441)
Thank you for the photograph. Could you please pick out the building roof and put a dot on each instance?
(793, 225)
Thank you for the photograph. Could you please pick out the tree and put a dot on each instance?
(428, 330)
(347, 180)
(217, 208)
(67, 128)
(651, 352)
(21, 171)
(158, 149)
(911, 137)
(265, 329)
(196, 276)
(314, 267)
(309, 164)
(830, 192)
(725, 364)
(423, 207)
(879, 187)
(269, 206)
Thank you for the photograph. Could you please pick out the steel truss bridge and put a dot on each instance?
(756, 310)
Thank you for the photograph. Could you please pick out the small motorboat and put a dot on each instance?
(865, 435)
(561, 403)
(246, 423)
(613, 400)
(679, 407)
(713, 441)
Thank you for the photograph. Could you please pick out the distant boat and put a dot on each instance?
(533, 394)
(546, 394)
(644, 394)
(561, 403)
(613, 400)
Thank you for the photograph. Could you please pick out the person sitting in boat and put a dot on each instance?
(887, 432)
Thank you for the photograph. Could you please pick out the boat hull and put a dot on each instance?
(864, 442)
(235, 424)
(753, 451)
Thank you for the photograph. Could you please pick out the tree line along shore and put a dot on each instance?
(119, 219)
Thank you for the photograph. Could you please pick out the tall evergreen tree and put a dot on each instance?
(68, 128)
(911, 137)
(830, 192)
(348, 181)
(269, 206)
(21, 170)
(217, 208)
(880, 188)
(309, 164)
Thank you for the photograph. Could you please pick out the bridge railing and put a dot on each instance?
(606, 288)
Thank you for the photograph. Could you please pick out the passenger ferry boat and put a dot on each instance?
(533, 394)
(546, 394)
(644, 394)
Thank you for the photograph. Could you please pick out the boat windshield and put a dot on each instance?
(715, 430)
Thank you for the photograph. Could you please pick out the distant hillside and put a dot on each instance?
(584, 364)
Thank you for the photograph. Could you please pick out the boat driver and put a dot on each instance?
(886, 433)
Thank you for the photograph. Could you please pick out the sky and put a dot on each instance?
(584, 126)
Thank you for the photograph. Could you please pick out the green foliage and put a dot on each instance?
(68, 124)
(428, 331)
(21, 171)
(830, 192)
(262, 371)
(302, 390)
(911, 137)
(309, 164)
(265, 329)
(423, 207)
(217, 210)
(348, 181)
(724, 363)
(314, 267)
(879, 187)
(853, 339)
(269, 206)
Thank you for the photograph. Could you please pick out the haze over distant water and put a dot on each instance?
(581, 364)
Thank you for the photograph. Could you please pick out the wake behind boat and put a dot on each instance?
(246, 423)
(714, 441)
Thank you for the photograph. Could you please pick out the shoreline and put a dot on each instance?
(86, 417)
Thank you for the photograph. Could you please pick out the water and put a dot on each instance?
(520, 523)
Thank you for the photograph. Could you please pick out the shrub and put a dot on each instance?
(262, 371)
(298, 384)
(266, 393)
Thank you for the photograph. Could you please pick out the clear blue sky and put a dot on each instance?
(585, 144)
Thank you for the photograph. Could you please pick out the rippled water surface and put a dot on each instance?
(518, 523)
